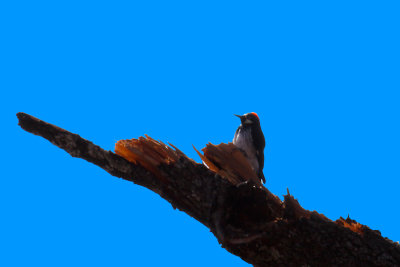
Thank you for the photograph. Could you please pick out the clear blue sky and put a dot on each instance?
(323, 77)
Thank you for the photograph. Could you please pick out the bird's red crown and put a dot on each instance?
(255, 114)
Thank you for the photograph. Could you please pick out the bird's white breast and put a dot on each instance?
(244, 141)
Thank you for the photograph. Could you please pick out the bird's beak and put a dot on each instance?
(240, 117)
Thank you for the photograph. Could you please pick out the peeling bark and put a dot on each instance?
(247, 219)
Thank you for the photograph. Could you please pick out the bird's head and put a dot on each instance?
(249, 118)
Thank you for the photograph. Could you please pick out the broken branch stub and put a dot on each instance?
(224, 159)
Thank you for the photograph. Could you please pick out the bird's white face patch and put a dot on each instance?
(247, 121)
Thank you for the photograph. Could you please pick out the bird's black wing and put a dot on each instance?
(260, 152)
(260, 156)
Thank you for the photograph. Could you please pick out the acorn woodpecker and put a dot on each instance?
(250, 139)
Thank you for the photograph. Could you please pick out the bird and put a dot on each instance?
(250, 139)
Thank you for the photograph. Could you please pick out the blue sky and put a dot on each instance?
(323, 77)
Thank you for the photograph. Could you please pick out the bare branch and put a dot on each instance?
(246, 218)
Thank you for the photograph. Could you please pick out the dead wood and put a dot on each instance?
(247, 219)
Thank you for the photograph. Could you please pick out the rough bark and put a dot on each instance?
(245, 217)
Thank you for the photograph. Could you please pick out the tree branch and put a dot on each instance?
(246, 218)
